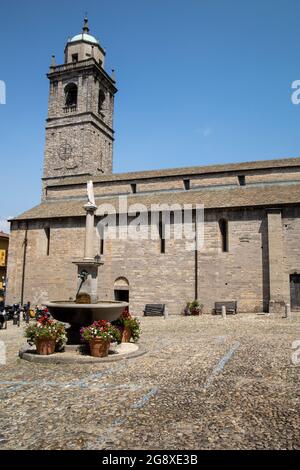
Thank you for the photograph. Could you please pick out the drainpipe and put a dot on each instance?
(24, 263)
(196, 259)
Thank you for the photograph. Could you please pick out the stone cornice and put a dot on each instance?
(51, 121)
(91, 65)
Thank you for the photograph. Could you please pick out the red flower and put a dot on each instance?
(44, 320)
(125, 314)
(101, 324)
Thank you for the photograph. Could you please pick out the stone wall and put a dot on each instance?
(243, 273)
(15, 263)
(238, 273)
(291, 230)
(291, 252)
(153, 277)
(46, 277)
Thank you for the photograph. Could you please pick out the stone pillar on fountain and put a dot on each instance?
(89, 231)
(89, 264)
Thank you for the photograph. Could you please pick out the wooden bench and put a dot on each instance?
(230, 305)
(154, 310)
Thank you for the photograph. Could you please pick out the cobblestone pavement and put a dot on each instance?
(205, 383)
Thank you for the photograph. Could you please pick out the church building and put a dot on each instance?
(250, 251)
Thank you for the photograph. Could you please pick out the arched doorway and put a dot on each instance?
(121, 289)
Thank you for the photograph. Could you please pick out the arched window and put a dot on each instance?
(47, 233)
(121, 289)
(101, 99)
(223, 226)
(71, 94)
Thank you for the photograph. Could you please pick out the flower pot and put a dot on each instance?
(45, 347)
(126, 335)
(196, 311)
(99, 347)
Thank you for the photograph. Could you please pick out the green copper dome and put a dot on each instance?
(84, 37)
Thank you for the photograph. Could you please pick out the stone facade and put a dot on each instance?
(257, 201)
(262, 253)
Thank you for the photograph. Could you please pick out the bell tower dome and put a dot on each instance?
(79, 126)
(83, 46)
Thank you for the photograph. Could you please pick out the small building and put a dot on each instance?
(4, 242)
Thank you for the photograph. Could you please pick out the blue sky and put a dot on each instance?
(200, 82)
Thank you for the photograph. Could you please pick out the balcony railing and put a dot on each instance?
(72, 65)
(70, 109)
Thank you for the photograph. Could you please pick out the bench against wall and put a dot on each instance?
(154, 310)
(230, 305)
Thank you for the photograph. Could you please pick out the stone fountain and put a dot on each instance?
(86, 308)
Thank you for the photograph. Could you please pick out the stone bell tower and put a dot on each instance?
(79, 127)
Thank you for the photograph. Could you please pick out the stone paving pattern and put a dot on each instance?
(205, 383)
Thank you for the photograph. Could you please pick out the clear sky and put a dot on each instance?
(200, 82)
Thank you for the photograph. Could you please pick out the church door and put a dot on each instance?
(295, 291)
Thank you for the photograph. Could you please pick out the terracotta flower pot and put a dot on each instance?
(126, 335)
(45, 347)
(99, 347)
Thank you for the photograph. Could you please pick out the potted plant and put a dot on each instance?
(193, 308)
(46, 334)
(129, 327)
(99, 335)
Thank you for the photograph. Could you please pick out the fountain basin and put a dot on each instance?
(85, 314)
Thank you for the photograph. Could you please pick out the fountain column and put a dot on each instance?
(89, 231)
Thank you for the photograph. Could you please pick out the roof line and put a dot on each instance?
(186, 171)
